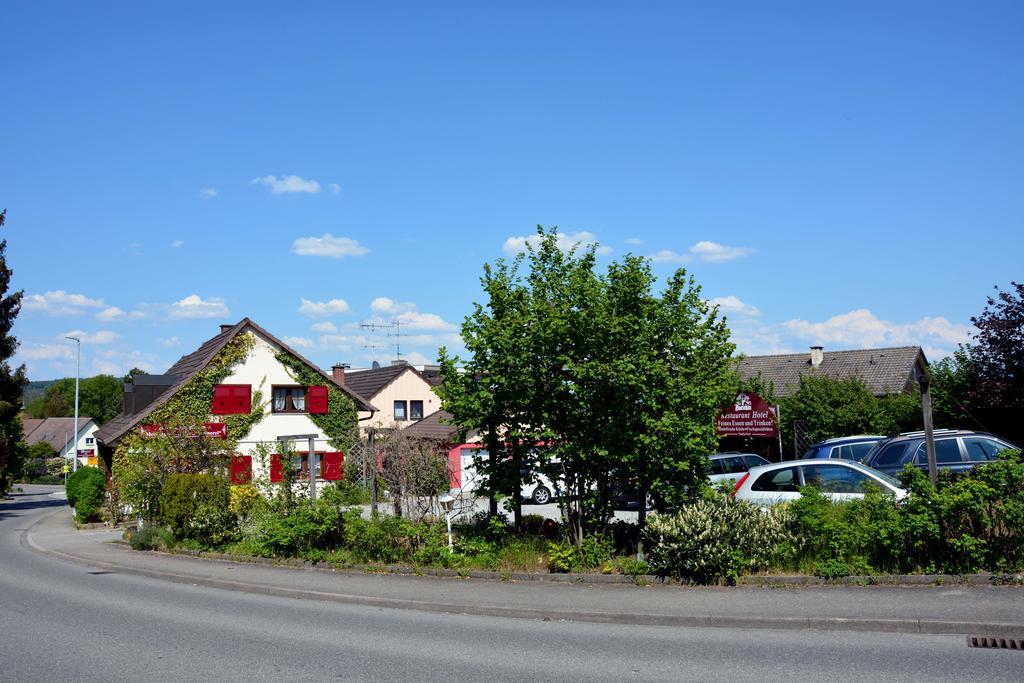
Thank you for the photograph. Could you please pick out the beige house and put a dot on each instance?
(403, 394)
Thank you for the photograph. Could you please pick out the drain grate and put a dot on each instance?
(100, 573)
(996, 642)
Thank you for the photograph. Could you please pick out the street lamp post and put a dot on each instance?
(74, 430)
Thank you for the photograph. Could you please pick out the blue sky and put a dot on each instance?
(843, 174)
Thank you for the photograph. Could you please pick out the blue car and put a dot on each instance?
(845, 448)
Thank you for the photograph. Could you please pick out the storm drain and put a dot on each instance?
(996, 642)
(100, 573)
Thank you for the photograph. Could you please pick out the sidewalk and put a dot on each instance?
(971, 610)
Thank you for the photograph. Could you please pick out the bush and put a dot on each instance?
(151, 538)
(307, 527)
(386, 539)
(183, 495)
(716, 540)
(245, 501)
(344, 493)
(86, 491)
(568, 557)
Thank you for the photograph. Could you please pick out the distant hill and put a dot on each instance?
(34, 390)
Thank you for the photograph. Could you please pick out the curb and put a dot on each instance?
(919, 626)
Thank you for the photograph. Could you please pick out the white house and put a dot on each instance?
(60, 433)
(403, 394)
(287, 406)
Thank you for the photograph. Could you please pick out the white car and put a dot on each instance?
(731, 466)
(837, 479)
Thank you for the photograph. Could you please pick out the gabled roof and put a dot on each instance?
(187, 367)
(30, 424)
(883, 371)
(436, 426)
(56, 431)
(369, 383)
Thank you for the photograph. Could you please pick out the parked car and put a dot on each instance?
(731, 466)
(846, 447)
(836, 478)
(957, 450)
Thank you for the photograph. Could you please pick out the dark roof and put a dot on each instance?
(883, 371)
(30, 424)
(369, 383)
(436, 426)
(56, 431)
(188, 365)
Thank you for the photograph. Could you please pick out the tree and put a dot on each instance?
(12, 382)
(594, 377)
(100, 398)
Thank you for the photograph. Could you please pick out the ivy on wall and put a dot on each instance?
(136, 471)
(340, 423)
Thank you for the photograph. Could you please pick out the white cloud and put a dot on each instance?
(329, 246)
(862, 329)
(65, 351)
(59, 302)
(100, 337)
(288, 184)
(117, 362)
(413, 320)
(566, 241)
(111, 314)
(177, 244)
(170, 342)
(208, 193)
(417, 358)
(318, 308)
(333, 188)
(325, 327)
(733, 305)
(635, 241)
(713, 252)
(337, 342)
(668, 256)
(193, 306)
(300, 342)
(382, 304)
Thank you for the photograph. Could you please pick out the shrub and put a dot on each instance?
(718, 539)
(86, 491)
(245, 501)
(386, 539)
(183, 495)
(568, 557)
(151, 538)
(344, 493)
(286, 533)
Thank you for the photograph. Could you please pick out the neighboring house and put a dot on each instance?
(883, 371)
(404, 394)
(60, 433)
(437, 427)
(288, 406)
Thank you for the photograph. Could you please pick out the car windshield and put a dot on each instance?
(891, 481)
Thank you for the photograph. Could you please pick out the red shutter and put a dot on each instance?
(231, 399)
(276, 470)
(332, 466)
(241, 469)
(317, 397)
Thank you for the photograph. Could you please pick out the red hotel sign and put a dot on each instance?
(748, 416)
(211, 430)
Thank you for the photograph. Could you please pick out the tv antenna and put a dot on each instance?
(391, 329)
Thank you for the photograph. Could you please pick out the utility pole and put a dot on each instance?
(924, 380)
(74, 429)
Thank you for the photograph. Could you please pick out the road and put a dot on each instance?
(65, 621)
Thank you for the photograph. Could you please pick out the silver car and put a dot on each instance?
(837, 479)
(731, 466)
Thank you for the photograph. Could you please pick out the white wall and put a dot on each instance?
(86, 441)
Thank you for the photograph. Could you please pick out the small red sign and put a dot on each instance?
(749, 415)
(86, 452)
(211, 430)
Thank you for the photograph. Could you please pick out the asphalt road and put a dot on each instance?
(64, 621)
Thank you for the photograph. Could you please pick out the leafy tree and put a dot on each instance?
(99, 397)
(589, 378)
(12, 382)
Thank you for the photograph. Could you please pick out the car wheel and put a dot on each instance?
(541, 496)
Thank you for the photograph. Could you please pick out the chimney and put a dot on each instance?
(338, 371)
(225, 327)
(817, 355)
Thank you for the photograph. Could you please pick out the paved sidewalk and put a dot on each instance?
(925, 609)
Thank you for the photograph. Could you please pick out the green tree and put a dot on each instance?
(99, 397)
(614, 380)
(12, 381)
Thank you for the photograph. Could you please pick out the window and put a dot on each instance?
(755, 461)
(947, 451)
(857, 451)
(400, 410)
(415, 410)
(733, 465)
(778, 480)
(980, 449)
(300, 466)
(890, 455)
(89, 441)
(289, 400)
(835, 479)
(231, 399)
